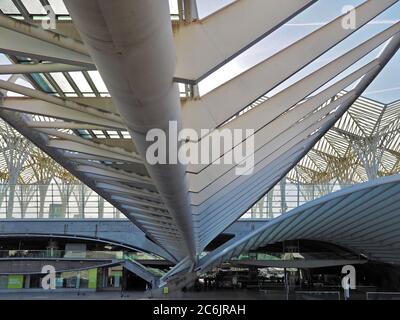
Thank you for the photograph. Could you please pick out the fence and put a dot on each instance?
(317, 295)
(383, 295)
(76, 254)
(306, 255)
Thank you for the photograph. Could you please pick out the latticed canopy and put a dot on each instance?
(21, 162)
(363, 145)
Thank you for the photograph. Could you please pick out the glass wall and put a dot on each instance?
(286, 196)
(54, 201)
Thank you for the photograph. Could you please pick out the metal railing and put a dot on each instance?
(297, 256)
(383, 295)
(75, 254)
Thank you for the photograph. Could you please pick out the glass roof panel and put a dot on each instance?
(43, 82)
(80, 81)
(21, 82)
(173, 7)
(5, 77)
(58, 6)
(34, 6)
(62, 82)
(113, 134)
(8, 7)
(126, 134)
(98, 81)
(98, 132)
(84, 134)
(4, 61)
(48, 83)
(64, 18)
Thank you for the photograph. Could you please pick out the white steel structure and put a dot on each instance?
(363, 218)
(363, 145)
(150, 65)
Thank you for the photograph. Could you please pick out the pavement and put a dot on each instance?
(210, 294)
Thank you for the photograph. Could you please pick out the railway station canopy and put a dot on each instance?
(316, 83)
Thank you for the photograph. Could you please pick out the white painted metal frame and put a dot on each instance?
(184, 208)
(363, 218)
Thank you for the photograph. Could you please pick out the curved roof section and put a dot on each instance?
(364, 218)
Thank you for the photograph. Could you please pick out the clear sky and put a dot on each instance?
(386, 87)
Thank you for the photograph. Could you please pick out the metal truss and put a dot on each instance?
(363, 145)
(152, 78)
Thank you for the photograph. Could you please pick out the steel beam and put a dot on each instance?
(216, 107)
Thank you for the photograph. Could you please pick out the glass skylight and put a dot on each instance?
(173, 7)
(80, 81)
(126, 134)
(34, 7)
(98, 81)
(62, 82)
(37, 11)
(8, 7)
(58, 7)
(99, 133)
(320, 13)
(21, 82)
(4, 61)
(113, 134)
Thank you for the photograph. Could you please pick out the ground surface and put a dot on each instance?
(132, 295)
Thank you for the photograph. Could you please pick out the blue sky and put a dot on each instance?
(385, 88)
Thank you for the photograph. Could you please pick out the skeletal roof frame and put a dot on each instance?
(101, 140)
(363, 145)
